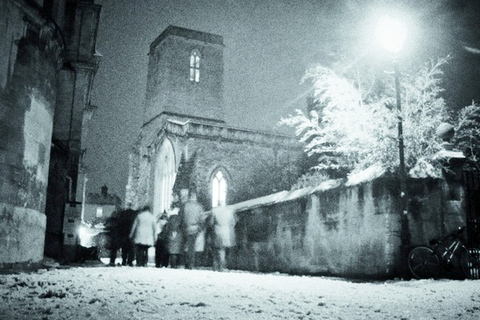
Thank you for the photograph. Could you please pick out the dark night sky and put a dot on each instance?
(268, 46)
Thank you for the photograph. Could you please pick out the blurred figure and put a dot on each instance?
(173, 233)
(192, 220)
(125, 223)
(111, 227)
(161, 249)
(223, 221)
(143, 234)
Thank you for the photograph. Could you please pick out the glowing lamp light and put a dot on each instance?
(391, 33)
(82, 234)
(86, 236)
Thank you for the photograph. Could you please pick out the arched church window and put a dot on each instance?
(195, 66)
(219, 189)
(164, 178)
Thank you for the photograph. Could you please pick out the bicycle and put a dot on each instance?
(427, 262)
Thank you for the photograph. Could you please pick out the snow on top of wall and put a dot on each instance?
(284, 196)
(366, 175)
(179, 122)
(327, 185)
(424, 169)
(257, 202)
(369, 174)
(449, 154)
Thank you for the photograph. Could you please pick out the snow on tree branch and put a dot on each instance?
(352, 130)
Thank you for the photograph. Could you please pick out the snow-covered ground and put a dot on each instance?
(150, 293)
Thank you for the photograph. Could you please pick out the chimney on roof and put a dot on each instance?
(104, 191)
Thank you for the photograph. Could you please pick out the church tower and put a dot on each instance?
(185, 76)
(184, 142)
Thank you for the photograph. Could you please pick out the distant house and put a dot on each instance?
(99, 206)
(97, 209)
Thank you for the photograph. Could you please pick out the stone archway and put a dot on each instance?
(164, 177)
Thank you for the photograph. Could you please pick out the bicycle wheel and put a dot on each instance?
(470, 263)
(424, 263)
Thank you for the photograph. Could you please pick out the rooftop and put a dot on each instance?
(188, 34)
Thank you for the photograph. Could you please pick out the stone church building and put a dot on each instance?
(185, 142)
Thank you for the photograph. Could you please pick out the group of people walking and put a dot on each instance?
(174, 234)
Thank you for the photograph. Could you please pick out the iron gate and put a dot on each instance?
(471, 178)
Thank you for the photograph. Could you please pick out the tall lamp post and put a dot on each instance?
(392, 34)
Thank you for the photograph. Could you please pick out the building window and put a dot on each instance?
(99, 212)
(219, 190)
(165, 174)
(195, 66)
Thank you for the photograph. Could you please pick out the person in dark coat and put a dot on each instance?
(174, 235)
(161, 249)
(125, 222)
(111, 228)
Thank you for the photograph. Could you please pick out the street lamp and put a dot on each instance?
(391, 34)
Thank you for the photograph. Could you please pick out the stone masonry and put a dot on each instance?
(184, 139)
(42, 58)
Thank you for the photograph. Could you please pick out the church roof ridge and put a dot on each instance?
(224, 125)
(187, 33)
(192, 126)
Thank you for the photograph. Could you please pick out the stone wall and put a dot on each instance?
(46, 75)
(22, 234)
(55, 207)
(31, 48)
(346, 231)
(79, 22)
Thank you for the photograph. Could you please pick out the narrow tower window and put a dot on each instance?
(219, 190)
(195, 66)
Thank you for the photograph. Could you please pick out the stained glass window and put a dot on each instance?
(219, 190)
(195, 66)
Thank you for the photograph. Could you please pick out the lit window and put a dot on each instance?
(99, 212)
(219, 190)
(165, 173)
(195, 66)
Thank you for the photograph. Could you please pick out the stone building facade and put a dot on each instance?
(47, 65)
(185, 143)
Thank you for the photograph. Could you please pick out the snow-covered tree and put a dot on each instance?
(353, 124)
(467, 132)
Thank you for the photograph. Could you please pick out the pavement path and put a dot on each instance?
(151, 293)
